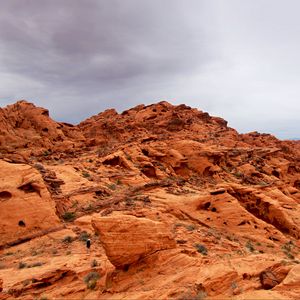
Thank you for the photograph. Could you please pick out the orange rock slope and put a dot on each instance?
(177, 205)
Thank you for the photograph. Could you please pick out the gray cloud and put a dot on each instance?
(235, 59)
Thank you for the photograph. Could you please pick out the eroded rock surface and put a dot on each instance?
(26, 208)
(126, 239)
(177, 205)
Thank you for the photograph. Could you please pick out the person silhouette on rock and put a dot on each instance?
(88, 245)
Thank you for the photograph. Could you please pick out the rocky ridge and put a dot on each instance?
(177, 205)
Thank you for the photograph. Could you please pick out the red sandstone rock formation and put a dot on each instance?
(143, 237)
(26, 208)
(27, 130)
(183, 207)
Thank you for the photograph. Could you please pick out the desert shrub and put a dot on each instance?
(249, 246)
(68, 239)
(238, 174)
(190, 227)
(94, 263)
(46, 153)
(84, 236)
(34, 253)
(36, 264)
(128, 157)
(201, 295)
(26, 282)
(234, 285)
(40, 167)
(22, 265)
(86, 174)
(288, 246)
(112, 187)
(91, 280)
(90, 276)
(89, 207)
(201, 249)
(69, 216)
(129, 201)
(74, 204)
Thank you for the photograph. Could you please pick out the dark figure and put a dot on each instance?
(88, 244)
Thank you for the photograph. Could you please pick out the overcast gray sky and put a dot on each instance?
(237, 59)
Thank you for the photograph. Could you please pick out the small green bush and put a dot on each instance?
(26, 282)
(201, 295)
(22, 265)
(86, 174)
(201, 249)
(129, 201)
(84, 236)
(91, 284)
(68, 239)
(69, 216)
(91, 280)
(89, 207)
(46, 153)
(190, 227)
(112, 187)
(36, 264)
(238, 174)
(94, 263)
(250, 246)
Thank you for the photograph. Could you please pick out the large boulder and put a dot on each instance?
(268, 280)
(126, 238)
(26, 207)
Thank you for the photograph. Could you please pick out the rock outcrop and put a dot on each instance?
(27, 130)
(183, 207)
(26, 208)
(127, 239)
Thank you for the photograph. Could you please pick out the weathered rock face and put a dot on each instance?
(144, 179)
(291, 283)
(158, 119)
(126, 239)
(26, 208)
(29, 129)
(48, 278)
(268, 280)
